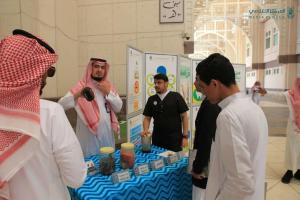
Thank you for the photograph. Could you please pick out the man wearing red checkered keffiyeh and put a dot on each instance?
(31, 159)
(20, 77)
(96, 118)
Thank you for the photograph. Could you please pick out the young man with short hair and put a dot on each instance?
(169, 112)
(238, 154)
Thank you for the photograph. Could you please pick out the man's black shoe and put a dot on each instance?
(297, 174)
(287, 177)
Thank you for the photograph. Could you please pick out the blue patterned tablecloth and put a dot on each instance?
(170, 182)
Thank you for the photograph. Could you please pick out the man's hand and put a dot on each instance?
(77, 95)
(197, 176)
(104, 87)
(145, 133)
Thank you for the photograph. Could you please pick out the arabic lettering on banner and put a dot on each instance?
(171, 11)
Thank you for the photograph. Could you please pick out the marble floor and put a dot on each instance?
(276, 190)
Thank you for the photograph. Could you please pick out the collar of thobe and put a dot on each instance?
(162, 96)
(229, 99)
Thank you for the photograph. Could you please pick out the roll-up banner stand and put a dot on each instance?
(159, 63)
(135, 93)
(184, 83)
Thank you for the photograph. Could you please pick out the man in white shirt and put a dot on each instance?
(96, 118)
(238, 154)
(47, 156)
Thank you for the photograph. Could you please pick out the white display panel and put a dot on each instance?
(134, 129)
(160, 63)
(185, 78)
(240, 76)
(135, 78)
(196, 96)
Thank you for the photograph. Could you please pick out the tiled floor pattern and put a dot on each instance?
(275, 170)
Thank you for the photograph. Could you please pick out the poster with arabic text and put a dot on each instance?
(171, 11)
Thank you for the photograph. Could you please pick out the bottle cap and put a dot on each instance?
(107, 150)
(127, 145)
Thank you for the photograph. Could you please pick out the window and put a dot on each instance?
(268, 39)
(275, 37)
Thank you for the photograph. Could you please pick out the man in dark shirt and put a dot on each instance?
(205, 132)
(169, 112)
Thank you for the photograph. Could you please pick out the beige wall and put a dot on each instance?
(80, 29)
(106, 27)
(56, 22)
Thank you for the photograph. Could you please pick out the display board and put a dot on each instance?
(135, 78)
(196, 96)
(134, 128)
(240, 76)
(160, 63)
(184, 81)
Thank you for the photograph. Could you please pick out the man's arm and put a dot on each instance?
(66, 149)
(235, 155)
(68, 101)
(146, 124)
(185, 127)
(185, 123)
(115, 101)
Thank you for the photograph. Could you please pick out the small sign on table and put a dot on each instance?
(91, 169)
(157, 164)
(120, 176)
(141, 169)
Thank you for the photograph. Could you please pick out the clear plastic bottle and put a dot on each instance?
(146, 143)
(127, 155)
(107, 160)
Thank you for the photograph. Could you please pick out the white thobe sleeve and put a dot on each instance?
(115, 101)
(67, 101)
(4, 192)
(67, 150)
(291, 109)
(239, 176)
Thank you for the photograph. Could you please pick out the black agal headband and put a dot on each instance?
(51, 70)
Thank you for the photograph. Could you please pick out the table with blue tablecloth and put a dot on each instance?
(170, 182)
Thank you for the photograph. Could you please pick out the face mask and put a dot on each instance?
(96, 78)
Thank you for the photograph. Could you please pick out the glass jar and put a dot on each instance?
(107, 160)
(127, 155)
(146, 143)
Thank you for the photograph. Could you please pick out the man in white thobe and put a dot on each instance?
(238, 154)
(292, 149)
(96, 119)
(59, 162)
(42, 154)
